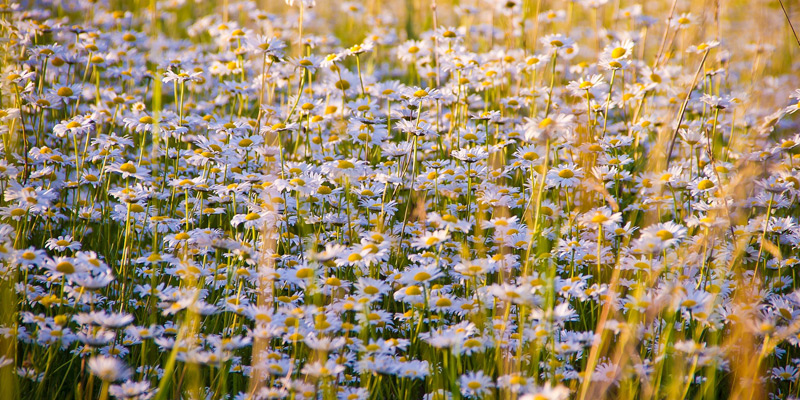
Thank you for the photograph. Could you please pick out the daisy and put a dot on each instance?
(430, 239)
(547, 128)
(547, 392)
(128, 170)
(63, 267)
(601, 216)
(421, 275)
(62, 243)
(78, 126)
(703, 185)
(475, 384)
(703, 47)
(665, 234)
(145, 123)
(569, 175)
(108, 369)
(130, 390)
(515, 383)
(787, 373)
(683, 21)
(619, 50)
(552, 16)
(470, 155)
(580, 87)
(373, 289)
(67, 92)
(556, 42)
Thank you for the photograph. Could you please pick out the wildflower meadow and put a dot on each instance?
(399, 199)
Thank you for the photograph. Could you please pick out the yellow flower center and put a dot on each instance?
(304, 273)
(422, 276)
(566, 174)
(705, 184)
(128, 167)
(664, 234)
(65, 267)
(599, 218)
(65, 92)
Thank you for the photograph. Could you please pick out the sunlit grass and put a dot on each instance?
(399, 200)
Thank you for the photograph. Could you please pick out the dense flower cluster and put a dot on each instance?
(510, 199)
